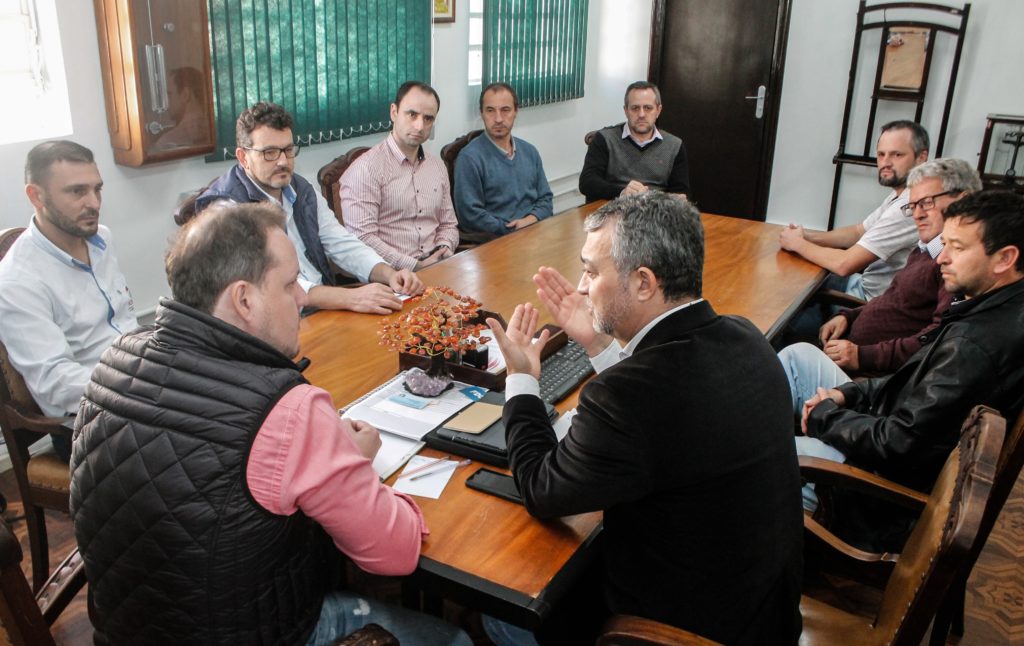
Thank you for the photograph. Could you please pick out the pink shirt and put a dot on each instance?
(304, 459)
(400, 209)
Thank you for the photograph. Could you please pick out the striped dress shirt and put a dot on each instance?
(400, 209)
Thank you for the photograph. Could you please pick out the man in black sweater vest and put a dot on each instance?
(635, 156)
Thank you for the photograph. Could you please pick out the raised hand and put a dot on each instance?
(521, 351)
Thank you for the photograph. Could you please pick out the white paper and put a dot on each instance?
(431, 485)
(402, 420)
(395, 451)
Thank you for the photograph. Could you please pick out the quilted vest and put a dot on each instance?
(650, 165)
(236, 185)
(176, 550)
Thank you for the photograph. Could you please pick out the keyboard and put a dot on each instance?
(563, 371)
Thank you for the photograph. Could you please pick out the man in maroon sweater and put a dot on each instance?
(880, 336)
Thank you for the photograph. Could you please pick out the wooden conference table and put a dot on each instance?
(483, 551)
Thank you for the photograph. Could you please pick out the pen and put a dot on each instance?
(426, 465)
(445, 467)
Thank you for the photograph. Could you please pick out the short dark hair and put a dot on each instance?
(225, 243)
(1001, 215)
(494, 87)
(660, 232)
(404, 89)
(48, 153)
(259, 114)
(641, 85)
(918, 135)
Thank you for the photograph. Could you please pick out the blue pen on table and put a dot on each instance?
(442, 468)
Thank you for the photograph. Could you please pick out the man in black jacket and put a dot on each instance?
(699, 486)
(904, 426)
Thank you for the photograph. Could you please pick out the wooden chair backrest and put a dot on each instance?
(12, 386)
(450, 154)
(330, 175)
(945, 533)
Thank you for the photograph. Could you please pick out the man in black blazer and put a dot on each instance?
(684, 439)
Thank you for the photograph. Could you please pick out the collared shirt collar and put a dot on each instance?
(397, 152)
(639, 336)
(934, 248)
(510, 155)
(626, 132)
(46, 245)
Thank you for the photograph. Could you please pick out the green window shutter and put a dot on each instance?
(333, 64)
(539, 47)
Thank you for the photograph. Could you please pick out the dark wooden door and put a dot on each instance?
(707, 58)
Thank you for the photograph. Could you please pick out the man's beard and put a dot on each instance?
(70, 225)
(892, 182)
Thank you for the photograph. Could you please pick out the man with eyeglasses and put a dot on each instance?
(877, 247)
(265, 172)
(903, 426)
(635, 156)
(878, 337)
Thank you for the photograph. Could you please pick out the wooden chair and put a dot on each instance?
(44, 481)
(449, 155)
(187, 210)
(940, 545)
(329, 176)
(1011, 458)
(950, 616)
(27, 617)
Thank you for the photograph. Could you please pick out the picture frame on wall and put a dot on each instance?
(444, 11)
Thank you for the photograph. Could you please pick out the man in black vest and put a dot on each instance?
(266, 172)
(212, 487)
(635, 156)
(699, 486)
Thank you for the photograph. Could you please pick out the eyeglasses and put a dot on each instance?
(272, 154)
(925, 203)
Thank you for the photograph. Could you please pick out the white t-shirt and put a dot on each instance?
(891, 236)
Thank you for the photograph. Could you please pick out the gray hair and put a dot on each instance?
(656, 231)
(956, 175)
(225, 243)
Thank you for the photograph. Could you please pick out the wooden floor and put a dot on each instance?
(995, 595)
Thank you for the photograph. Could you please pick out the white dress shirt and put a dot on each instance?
(342, 247)
(59, 315)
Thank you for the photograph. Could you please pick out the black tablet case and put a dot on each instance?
(488, 446)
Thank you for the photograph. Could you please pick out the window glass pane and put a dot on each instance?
(32, 72)
(476, 31)
(476, 63)
(476, 6)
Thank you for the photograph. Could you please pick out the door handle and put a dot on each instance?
(759, 107)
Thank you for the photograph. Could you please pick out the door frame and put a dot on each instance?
(773, 89)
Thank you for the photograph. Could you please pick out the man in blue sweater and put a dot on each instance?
(500, 184)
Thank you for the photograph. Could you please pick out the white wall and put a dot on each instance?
(814, 91)
(138, 203)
